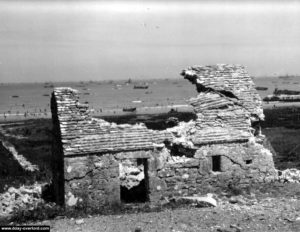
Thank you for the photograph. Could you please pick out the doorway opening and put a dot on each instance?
(140, 192)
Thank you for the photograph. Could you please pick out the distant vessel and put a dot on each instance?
(137, 101)
(80, 85)
(48, 85)
(14, 96)
(284, 95)
(285, 77)
(117, 86)
(282, 98)
(285, 92)
(261, 88)
(141, 86)
(129, 109)
(46, 95)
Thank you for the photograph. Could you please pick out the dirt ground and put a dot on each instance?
(185, 220)
(272, 207)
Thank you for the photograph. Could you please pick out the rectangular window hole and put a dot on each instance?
(139, 193)
(216, 163)
(249, 161)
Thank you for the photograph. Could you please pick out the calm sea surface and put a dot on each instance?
(21, 101)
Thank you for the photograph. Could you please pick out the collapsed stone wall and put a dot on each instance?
(100, 159)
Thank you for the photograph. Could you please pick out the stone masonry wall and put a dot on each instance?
(93, 181)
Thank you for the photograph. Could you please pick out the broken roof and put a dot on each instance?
(226, 105)
(232, 81)
(82, 134)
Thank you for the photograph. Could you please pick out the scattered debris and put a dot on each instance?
(79, 222)
(130, 174)
(289, 175)
(14, 199)
(71, 199)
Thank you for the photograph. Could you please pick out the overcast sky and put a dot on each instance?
(100, 40)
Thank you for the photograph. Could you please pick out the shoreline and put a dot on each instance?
(279, 104)
(291, 108)
(151, 110)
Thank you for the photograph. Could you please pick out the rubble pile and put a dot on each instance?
(130, 174)
(289, 175)
(25, 197)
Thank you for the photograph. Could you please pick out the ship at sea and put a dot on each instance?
(285, 77)
(48, 85)
(283, 95)
(261, 88)
(286, 92)
(141, 86)
(129, 109)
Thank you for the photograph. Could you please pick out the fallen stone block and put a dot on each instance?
(206, 201)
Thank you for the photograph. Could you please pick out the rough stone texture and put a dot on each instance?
(92, 158)
(81, 134)
(91, 181)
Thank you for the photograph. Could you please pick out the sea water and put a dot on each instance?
(32, 100)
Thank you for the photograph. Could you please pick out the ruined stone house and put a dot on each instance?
(96, 163)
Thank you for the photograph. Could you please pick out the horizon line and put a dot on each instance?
(133, 79)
